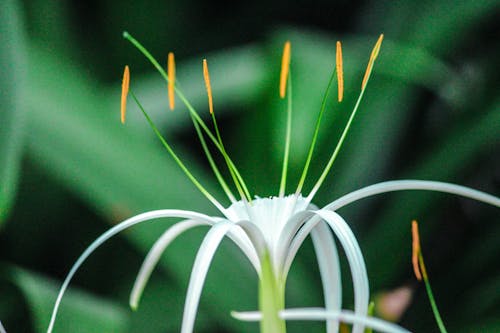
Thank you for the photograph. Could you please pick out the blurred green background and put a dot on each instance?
(69, 169)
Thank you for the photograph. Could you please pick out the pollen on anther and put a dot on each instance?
(206, 75)
(171, 80)
(415, 249)
(285, 68)
(373, 56)
(340, 71)
(125, 87)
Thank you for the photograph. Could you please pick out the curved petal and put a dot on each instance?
(199, 272)
(154, 256)
(293, 226)
(356, 263)
(2, 330)
(402, 185)
(112, 232)
(322, 314)
(256, 237)
(303, 230)
(329, 267)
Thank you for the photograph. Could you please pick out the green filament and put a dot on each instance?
(428, 289)
(232, 168)
(242, 190)
(287, 137)
(315, 136)
(211, 161)
(342, 138)
(176, 158)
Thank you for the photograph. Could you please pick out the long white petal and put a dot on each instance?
(199, 272)
(329, 267)
(322, 314)
(402, 185)
(2, 329)
(352, 250)
(113, 231)
(303, 230)
(154, 256)
(256, 237)
(356, 263)
(292, 227)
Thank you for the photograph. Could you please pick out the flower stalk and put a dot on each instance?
(271, 298)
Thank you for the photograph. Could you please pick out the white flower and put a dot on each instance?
(270, 231)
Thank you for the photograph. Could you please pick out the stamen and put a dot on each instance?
(285, 67)
(419, 266)
(206, 75)
(415, 249)
(340, 71)
(125, 85)
(171, 80)
(373, 56)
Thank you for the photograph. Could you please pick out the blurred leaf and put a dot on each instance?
(12, 74)
(82, 312)
(466, 140)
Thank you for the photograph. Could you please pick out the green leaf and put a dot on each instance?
(82, 312)
(12, 113)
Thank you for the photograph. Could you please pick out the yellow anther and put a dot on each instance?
(373, 56)
(125, 85)
(285, 68)
(415, 249)
(171, 80)
(340, 71)
(206, 75)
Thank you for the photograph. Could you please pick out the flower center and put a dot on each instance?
(268, 214)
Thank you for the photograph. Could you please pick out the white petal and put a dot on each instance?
(2, 329)
(293, 226)
(154, 256)
(322, 314)
(256, 237)
(302, 230)
(329, 267)
(199, 272)
(110, 233)
(401, 185)
(352, 250)
(356, 263)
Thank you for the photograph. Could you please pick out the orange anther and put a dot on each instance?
(206, 75)
(171, 80)
(373, 56)
(285, 68)
(125, 86)
(340, 71)
(415, 249)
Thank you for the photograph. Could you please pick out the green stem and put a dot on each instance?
(271, 298)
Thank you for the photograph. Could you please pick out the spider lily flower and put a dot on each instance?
(269, 231)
